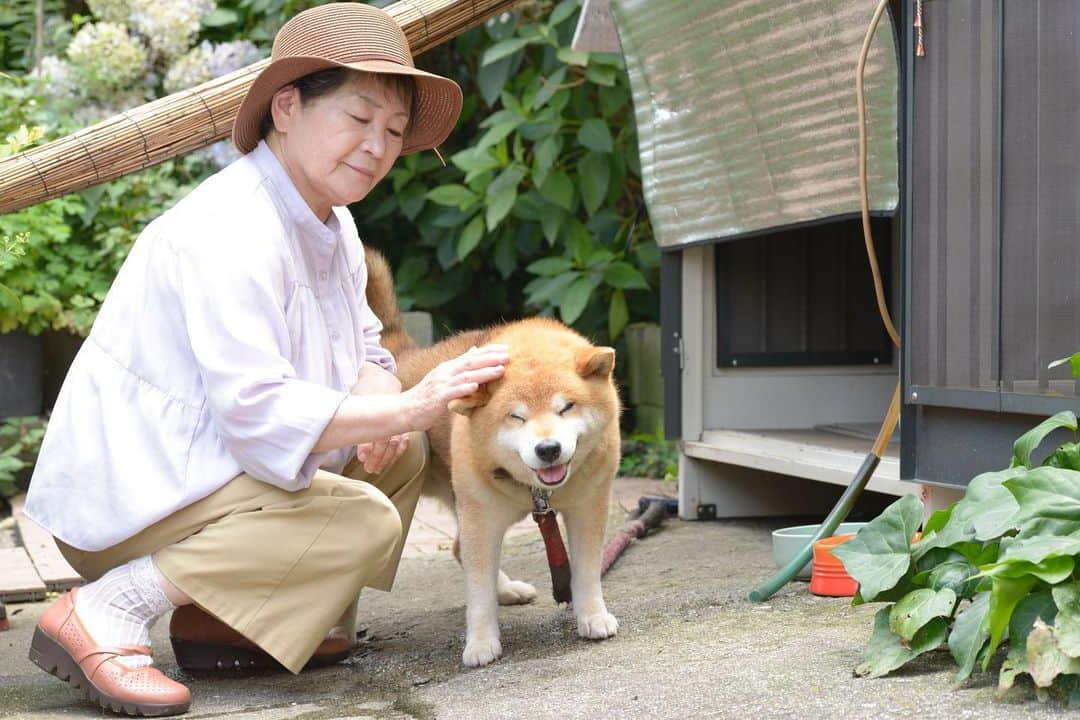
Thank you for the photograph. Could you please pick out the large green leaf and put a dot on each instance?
(985, 497)
(1005, 594)
(880, 554)
(1067, 625)
(594, 174)
(969, 635)
(499, 205)
(470, 237)
(558, 189)
(1026, 443)
(1039, 605)
(1049, 501)
(575, 300)
(624, 275)
(594, 134)
(1037, 549)
(918, 608)
(453, 195)
(1067, 455)
(618, 314)
(960, 576)
(550, 266)
(545, 155)
(886, 652)
(503, 49)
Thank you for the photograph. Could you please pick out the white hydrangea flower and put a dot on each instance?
(57, 78)
(169, 27)
(114, 11)
(207, 61)
(106, 57)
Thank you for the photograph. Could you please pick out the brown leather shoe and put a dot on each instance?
(62, 646)
(202, 642)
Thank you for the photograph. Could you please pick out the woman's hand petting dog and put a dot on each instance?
(456, 378)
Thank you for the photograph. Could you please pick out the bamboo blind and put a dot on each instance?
(192, 118)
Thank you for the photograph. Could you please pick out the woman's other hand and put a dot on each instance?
(377, 456)
(427, 400)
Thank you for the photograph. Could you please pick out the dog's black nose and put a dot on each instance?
(548, 450)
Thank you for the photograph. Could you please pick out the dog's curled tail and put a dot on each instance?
(382, 300)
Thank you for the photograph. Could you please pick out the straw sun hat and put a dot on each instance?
(351, 35)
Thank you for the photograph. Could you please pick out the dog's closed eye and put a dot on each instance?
(566, 408)
(515, 416)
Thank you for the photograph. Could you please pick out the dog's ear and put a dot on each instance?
(598, 361)
(466, 405)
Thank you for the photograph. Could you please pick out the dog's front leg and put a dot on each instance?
(585, 524)
(481, 537)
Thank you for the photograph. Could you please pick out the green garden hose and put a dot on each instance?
(767, 589)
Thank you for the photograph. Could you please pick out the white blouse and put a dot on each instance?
(231, 334)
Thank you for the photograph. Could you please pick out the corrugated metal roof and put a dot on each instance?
(746, 112)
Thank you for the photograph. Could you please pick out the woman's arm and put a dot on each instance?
(364, 418)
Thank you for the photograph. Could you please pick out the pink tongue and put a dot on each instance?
(552, 475)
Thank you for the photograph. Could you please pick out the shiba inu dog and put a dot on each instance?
(551, 423)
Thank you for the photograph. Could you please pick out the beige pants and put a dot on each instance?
(281, 567)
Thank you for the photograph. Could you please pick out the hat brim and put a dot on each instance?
(437, 105)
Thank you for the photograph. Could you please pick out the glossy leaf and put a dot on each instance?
(886, 652)
(880, 553)
(594, 174)
(624, 275)
(470, 237)
(969, 635)
(550, 266)
(912, 612)
(558, 189)
(1005, 594)
(1026, 443)
(575, 300)
(594, 134)
(453, 195)
(618, 314)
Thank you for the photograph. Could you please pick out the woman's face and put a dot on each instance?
(338, 146)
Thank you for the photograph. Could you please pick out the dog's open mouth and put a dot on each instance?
(552, 475)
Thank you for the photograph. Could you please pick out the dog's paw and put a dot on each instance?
(597, 627)
(516, 592)
(481, 652)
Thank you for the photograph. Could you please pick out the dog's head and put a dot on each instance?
(549, 410)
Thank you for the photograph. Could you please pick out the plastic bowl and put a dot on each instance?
(788, 541)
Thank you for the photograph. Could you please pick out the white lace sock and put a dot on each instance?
(119, 608)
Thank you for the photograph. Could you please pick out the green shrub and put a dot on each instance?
(651, 456)
(20, 440)
(539, 209)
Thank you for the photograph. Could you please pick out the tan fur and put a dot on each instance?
(476, 451)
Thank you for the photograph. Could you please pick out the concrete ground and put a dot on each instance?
(690, 645)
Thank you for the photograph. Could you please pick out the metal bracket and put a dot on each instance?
(706, 511)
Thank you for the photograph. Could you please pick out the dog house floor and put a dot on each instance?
(815, 454)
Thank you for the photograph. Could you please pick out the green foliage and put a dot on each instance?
(72, 247)
(538, 212)
(651, 456)
(1000, 564)
(20, 440)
